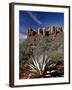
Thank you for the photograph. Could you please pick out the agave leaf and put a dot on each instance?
(33, 68)
(52, 65)
(35, 62)
(45, 61)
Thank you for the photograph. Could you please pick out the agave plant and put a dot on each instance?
(40, 64)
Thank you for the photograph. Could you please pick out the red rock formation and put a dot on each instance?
(41, 31)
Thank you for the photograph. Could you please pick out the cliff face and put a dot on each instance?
(44, 32)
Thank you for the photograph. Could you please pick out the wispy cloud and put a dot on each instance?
(34, 18)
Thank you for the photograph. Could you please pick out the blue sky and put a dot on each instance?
(36, 19)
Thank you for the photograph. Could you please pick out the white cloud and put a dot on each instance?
(22, 36)
(34, 18)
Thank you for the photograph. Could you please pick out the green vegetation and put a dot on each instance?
(46, 49)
